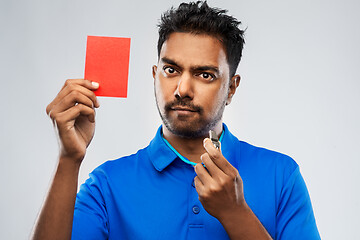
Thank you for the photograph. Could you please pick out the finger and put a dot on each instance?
(71, 86)
(217, 157)
(213, 169)
(82, 82)
(199, 186)
(72, 99)
(203, 174)
(69, 101)
(72, 113)
(84, 86)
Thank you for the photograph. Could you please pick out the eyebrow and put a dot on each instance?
(169, 61)
(194, 68)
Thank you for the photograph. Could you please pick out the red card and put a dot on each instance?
(107, 62)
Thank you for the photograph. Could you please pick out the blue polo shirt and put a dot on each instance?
(151, 195)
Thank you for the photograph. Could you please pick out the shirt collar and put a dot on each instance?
(162, 156)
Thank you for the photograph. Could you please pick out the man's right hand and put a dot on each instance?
(73, 114)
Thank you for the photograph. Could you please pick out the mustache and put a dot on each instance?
(183, 103)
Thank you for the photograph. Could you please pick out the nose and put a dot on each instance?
(184, 87)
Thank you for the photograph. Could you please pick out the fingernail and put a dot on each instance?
(95, 84)
(205, 139)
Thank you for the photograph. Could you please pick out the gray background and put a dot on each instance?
(299, 95)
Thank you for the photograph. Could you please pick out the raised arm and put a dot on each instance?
(73, 114)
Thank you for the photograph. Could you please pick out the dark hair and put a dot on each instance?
(199, 18)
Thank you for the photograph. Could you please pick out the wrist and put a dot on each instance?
(69, 163)
(235, 215)
(251, 227)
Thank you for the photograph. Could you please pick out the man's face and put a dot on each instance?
(191, 84)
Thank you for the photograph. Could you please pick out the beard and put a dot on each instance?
(182, 126)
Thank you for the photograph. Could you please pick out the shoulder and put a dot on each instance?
(265, 156)
(247, 156)
(263, 162)
(121, 166)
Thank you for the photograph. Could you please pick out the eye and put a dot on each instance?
(207, 76)
(169, 70)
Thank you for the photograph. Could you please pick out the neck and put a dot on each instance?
(191, 148)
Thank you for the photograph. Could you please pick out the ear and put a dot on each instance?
(154, 69)
(234, 83)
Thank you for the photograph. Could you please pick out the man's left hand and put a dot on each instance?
(218, 184)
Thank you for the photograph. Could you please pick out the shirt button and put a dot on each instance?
(196, 209)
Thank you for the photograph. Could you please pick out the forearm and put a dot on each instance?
(243, 224)
(56, 216)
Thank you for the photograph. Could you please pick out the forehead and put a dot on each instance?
(194, 49)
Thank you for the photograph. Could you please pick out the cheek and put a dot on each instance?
(217, 99)
(223, 92)
(167, 86)
(158, 91)
(163, 91)
(218, 92)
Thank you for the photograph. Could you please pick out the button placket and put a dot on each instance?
(196, 215)
(195, 207)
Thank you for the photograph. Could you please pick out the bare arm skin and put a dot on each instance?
(73, 115)
(220, 190)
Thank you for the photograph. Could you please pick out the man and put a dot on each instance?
(180, 186)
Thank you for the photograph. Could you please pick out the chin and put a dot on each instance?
(188, 129)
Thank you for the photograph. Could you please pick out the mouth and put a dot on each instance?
(185, 109)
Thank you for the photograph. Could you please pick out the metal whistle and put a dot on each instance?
(214, 139)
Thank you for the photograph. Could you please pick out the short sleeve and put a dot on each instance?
(295, 216)
(90, 215)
